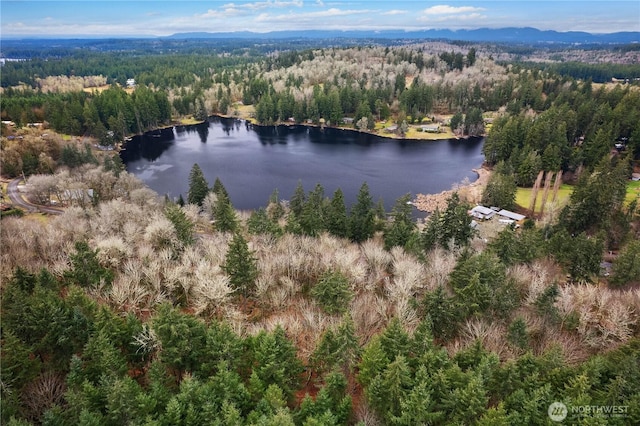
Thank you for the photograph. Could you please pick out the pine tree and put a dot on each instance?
(402, 231)
(184, 227)
(87, 271)
(333, 292)
(337, 220)
(241, 266)
(259, 223)
(224, 215)
(219, 189)
(198, 186)
(500, 191)
(626, 268)
(298, 200)
(455, 224)
(361, 220)
(312, 217)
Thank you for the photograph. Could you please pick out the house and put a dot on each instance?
(515, 217)
(482, 212)
(76, 196)
(391, 129)
(131, 82)
(430, 128)
(347, 120)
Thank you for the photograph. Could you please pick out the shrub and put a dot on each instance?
(333, 293)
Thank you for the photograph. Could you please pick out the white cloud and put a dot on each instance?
(227, 11)
(268, 4)
(395, 12)
(297, 17)
(452, 15)
(443, 9)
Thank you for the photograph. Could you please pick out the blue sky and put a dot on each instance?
(117, 18)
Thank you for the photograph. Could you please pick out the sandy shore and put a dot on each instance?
(470, 192)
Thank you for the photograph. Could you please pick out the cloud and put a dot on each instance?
(230, 10)
(308, 16)
(452, 15)
(395, 12)
(450, 10)
(267, 4)
(227, 11)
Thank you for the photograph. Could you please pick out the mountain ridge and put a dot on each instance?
(507, 34)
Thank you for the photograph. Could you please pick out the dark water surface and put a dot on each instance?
(252, 161)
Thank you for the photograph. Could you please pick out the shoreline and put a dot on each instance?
(470, 192)
(441, 137)
(444, 136)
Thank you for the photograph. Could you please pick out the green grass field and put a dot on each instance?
(523, 195)
(633, 192)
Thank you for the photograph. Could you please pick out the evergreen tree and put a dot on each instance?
(442, 312)
(198, 186)
(183, 226)
(596, 196)
(362, 218)
(387, 389)
(418, 405)
(402, 231)
(580, 254)
(87, 271)
(626, 268)
(275, 208)
(298, 200)
(337, 219)
(456, 122)
(312, 218)
(373, 362)
(500, 191)
(333, 292)
(517, 334)
(395, 340)
(219, 189)
(182, 339)
(260, 223)
(451, 228)
(337, 349)
(241, 266)
(275, 361)
(224, 215)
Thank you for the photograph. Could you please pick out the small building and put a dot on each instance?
(430, 128)
(347, 120)
(516, 217)
(391, 129)
(131, 82)
(482, 212)
(76, 196)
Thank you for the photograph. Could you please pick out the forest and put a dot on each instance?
(130, 308)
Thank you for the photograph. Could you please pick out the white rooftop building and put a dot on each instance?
(482, 212)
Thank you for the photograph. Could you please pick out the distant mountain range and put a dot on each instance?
(499, 35)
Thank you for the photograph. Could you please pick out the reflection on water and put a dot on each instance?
(252, 161)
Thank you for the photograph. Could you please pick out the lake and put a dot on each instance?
(252, 161)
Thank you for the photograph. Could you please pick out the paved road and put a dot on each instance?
(17, 200)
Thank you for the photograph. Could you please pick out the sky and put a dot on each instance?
(117, 18)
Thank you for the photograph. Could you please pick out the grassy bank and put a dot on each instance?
(523, 195)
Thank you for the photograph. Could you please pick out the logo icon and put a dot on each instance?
(557, 411)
